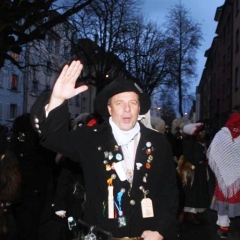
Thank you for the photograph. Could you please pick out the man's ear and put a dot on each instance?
(109, 109)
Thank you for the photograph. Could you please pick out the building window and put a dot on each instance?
(236, 82)
(13, 111)
(14, 82)
(35, 88)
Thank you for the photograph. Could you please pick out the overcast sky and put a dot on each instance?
(203, 11)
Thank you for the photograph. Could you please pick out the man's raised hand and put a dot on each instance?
(64, 87)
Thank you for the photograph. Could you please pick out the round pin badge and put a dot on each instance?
(148, 144)
(118, 156)
(149, 151)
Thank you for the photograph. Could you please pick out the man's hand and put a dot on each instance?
(64, 87)
(151, 235)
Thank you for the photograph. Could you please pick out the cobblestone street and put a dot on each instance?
(207, 228)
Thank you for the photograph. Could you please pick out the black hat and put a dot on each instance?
(118, 86)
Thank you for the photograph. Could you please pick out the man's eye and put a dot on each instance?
(134, 102)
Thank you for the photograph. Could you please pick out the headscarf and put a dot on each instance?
(233, 124)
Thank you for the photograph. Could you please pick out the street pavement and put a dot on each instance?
(207, 228)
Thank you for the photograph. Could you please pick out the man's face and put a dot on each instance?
(124, 109)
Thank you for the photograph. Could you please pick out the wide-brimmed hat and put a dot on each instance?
(118, 86)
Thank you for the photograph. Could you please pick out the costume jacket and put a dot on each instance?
(96, 149)
(196, 195)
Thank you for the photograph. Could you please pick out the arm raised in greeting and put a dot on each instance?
(64, 87)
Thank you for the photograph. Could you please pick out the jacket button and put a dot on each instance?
(36, 120)
(36, 126)
(132, 202)
(99, 148)
(39, 131)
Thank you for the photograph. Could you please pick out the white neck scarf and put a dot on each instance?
(123, 137)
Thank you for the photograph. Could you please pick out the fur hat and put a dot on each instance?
(178, 124)
(192, 128)
(118, 86)
(158, 124)
(146, 119)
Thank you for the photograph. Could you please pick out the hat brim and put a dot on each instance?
(116, 87)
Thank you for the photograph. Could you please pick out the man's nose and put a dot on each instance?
(126, 107)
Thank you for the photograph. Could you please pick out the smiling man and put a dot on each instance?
(128, 169)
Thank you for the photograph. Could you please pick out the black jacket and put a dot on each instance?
(88, 146)
(196, 195)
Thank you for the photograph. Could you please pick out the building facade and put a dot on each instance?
(218, 87)
(43, 61)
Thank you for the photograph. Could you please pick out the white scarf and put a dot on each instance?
(224, 159)
(128, 140)
(123, 137)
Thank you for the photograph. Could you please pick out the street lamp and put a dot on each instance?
(158, 111)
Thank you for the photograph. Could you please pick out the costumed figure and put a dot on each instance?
(176, 136)
(10, 192)
(69, 196)
(192, 168)
(36, 164)
(158, 124)
(224, 159)
(128, 171)
(152, 122)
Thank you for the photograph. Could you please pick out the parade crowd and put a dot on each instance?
(119, 169)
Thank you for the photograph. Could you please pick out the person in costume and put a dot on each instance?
(175, 137)
(10, 188)
(192, 167)
(224, 159)
(129, 174)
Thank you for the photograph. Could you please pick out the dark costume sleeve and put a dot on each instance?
(196, 193)
(193, 151)
(70, 186)
(54, 129)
